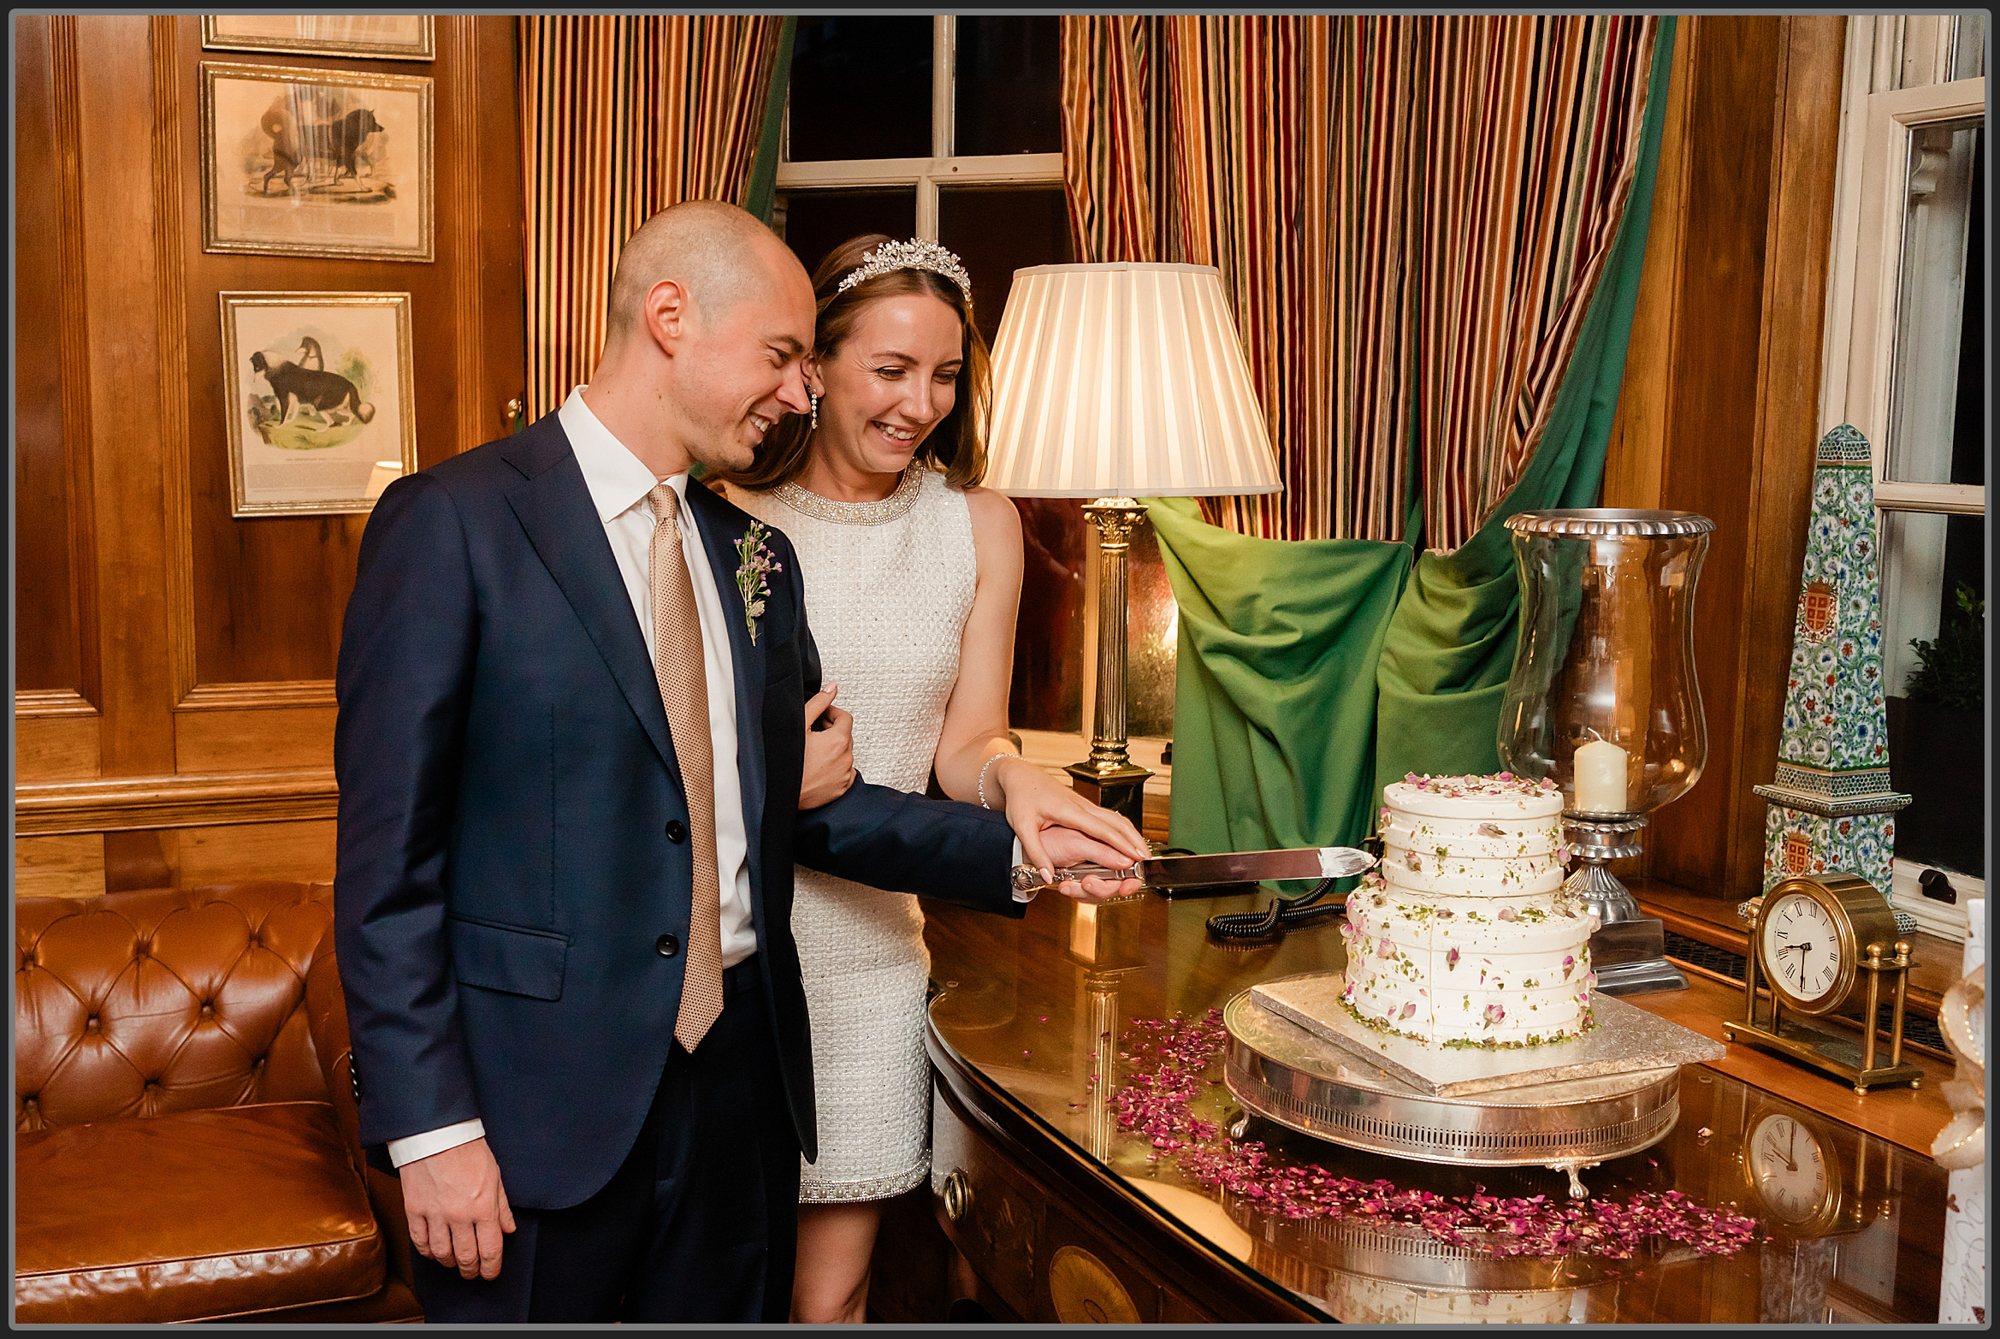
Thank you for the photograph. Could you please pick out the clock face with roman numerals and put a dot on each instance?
(1801, 949)
(1789, 1168)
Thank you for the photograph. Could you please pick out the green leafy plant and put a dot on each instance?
(1951, 669)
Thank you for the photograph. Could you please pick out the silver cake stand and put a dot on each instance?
(1331, 1089)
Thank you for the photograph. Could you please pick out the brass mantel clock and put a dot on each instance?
(1819, 943)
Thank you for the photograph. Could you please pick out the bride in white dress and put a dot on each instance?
(913, 578)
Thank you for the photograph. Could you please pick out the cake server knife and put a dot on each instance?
(1208, 871)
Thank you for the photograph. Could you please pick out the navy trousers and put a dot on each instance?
(700, 1223)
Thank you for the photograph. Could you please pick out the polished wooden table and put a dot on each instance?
(1057, 1214)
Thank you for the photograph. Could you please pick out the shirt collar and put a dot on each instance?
(618, 480)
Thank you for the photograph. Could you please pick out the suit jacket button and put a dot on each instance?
(667, 945)
(677, 832)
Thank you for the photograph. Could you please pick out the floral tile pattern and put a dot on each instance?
(1836, 736)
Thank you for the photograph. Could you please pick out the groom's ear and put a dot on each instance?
(668, 314)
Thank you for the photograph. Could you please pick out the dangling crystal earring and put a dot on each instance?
(814, 397)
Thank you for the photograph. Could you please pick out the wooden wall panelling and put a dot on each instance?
(1636, 454)
(56, 666)
(223, 853)
(1718, 411)
(254, 738)
(141, 803)
(124, 375)
(208, 643)
(267, 595)
(172, 185)
(264, 595)
(85, 864)
(1709, 412)
(53, 747)
(71, 865)
(493, 313)
(1805, 152)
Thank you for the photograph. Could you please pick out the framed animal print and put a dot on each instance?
(299, 162)
(318, 391)
(382, 36)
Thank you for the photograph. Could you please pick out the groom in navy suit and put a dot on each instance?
(570, 753)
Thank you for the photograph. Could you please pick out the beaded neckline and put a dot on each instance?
(880, 512)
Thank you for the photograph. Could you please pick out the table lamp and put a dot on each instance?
(1114, 382)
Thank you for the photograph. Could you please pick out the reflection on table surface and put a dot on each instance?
(1851, 1227)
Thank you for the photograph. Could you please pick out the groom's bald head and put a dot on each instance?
(719, 254)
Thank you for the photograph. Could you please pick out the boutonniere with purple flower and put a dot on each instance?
(757, 564)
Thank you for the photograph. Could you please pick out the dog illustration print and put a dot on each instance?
(340, 140)
(333, 395)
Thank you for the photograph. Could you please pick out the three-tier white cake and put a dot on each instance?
(1463, 936)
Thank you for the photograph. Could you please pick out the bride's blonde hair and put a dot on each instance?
(956, 447)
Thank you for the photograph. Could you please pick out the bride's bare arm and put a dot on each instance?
(975, 720)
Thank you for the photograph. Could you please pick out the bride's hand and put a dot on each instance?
(1036, 802)
(829, 768)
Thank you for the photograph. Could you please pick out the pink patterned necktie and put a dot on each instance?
(678, 665)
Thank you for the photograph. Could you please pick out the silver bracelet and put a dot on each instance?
(982, 776)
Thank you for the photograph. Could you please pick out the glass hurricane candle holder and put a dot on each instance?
(1603, 700)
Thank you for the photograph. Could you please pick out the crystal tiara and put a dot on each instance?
(915, 254)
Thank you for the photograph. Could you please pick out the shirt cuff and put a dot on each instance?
(1020, 859)
(417, 1146)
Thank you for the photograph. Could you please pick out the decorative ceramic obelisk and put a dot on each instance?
(1831, 805)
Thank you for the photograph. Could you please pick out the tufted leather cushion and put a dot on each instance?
(195, 1215)
(214, 1016)
(146, 1003)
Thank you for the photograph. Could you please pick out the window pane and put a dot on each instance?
(1926, 557)
(1009, 76)
(861, 88)
(1937, 731)
(1969, 47)
(815, 222)
(999, 229)
(1940, 363)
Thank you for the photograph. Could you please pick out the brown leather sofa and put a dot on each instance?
(185, 1133)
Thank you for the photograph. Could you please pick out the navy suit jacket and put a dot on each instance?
(507, 782)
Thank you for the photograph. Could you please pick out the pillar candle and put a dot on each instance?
(1600, 778)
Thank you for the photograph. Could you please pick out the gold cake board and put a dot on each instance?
(1281, 1070)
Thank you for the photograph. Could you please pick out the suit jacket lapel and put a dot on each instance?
(554, 508)
(720, 529)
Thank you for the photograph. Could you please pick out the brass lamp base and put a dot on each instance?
(1109, 778)
(1114, 786)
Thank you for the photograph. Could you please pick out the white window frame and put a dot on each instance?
(928, 175)
(1897, 77)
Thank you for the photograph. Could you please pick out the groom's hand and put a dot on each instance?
(829, 766)
(1067, 846)
(458, 1209)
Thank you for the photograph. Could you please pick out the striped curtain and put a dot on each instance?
(621, 116)
(1410, 213)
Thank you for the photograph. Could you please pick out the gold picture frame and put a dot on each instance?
(377, 36)
(309, 162)
(318, 391)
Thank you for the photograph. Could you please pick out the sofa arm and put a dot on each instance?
(326, 1012)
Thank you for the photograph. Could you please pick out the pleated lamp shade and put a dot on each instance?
(1124, 380)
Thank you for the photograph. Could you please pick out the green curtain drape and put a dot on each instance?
(764, 171)
(1311, 672)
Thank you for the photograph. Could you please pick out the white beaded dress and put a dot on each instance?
(889, 585)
